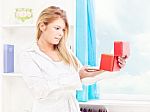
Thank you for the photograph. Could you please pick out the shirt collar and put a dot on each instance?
(35, 48)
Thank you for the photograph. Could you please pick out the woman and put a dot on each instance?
(50, 70)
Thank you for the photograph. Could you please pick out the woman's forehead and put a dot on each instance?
(58, 22)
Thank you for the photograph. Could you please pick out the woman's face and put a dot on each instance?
(54, 31)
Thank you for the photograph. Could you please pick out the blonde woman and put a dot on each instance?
(51, 71)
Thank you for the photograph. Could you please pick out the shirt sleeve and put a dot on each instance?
(35, 80)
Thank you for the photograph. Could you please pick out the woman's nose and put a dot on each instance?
(61, 33)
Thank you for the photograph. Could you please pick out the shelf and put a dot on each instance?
(11, 74)
(18, 25)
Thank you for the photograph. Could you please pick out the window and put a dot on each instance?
(127, 20)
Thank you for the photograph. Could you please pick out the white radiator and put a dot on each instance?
(93, 108)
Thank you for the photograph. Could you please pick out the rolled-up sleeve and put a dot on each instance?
(35, 80)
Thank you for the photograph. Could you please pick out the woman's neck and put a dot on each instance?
(44, 46)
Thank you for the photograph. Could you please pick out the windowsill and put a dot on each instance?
(116, 102)
(125, 97)
(120, 100)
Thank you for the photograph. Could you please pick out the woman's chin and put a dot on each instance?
(56, 43)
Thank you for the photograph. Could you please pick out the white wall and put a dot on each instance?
(37, 6)
(0, 36)
(0, 59)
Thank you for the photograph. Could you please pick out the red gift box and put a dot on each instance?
(109, 63)
(121, 49)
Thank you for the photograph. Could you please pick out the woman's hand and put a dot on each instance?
(121, 61)
(89, 72)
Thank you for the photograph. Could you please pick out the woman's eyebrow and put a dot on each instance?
(58, 26)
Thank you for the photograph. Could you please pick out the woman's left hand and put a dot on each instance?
(121, 61)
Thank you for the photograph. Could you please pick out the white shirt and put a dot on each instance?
(53, 84)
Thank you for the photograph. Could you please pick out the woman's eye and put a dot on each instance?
(57, 28)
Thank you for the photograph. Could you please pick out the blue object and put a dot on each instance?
(82, 95)
(91, 33)
(86, 44)
(85, 32)
(93, 92)
(81, 31)
(8, 58)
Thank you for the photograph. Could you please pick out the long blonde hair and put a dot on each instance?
(47, 16)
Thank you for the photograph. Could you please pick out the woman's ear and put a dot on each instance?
(42, 27)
